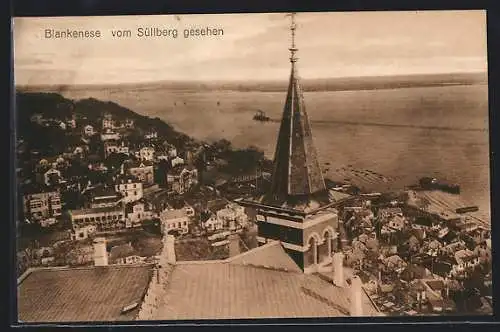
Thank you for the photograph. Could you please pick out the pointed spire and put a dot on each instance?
(296, 168)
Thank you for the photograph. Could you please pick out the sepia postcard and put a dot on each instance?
(252, 166)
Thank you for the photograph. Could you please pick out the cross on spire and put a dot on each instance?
(293, 49)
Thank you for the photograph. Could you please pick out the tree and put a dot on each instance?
(115, 160)
(372, 254)
(222, 146)
(355, 257)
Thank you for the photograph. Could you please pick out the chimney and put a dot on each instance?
(356, 290)
(100, 253)
(234, 245)
(170, 246)
(338, 269)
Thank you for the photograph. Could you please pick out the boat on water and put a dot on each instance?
(261, 116)
(429, 183)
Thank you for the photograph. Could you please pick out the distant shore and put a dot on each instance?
(322, 84)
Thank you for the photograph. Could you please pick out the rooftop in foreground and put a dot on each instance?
(82, 294)
(246, 287)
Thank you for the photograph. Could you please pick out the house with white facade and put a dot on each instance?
(105, 219)
(136, 212)
(109, 134)
(107, 121)
(233, 216)
(130, 187)
(147, 153)
(112, 146)
(465, 261)
(151, 134)
(175, 220)
(52, 176)
(213, 224)
(42, 205)
(177, 161)
(143, 170)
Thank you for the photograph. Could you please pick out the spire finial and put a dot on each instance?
(293, 49)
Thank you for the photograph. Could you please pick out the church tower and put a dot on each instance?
(297, 210)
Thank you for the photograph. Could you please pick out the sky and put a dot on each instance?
(253, 47)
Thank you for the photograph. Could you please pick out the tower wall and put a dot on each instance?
(317, 234)
(295, 233)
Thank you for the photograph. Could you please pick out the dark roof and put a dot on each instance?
(82, 294)
(104, 191)
(123, 178)
(296, 168)
(35, 188)
(413, 271)
(129, 207)
(217, 204)
(95, 210)
(441, 268)
(435, 285)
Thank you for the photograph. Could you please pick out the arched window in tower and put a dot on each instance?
(324, 248)
(312, 253)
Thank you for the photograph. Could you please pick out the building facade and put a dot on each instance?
(130, 188)
(147, 153)
(109, 134)
(144, 171)
(104, 219)
(232, 217)
(137, 212)
(115, 147)
(52, 177)
(40, 206)
(107, 121)
(175, 220)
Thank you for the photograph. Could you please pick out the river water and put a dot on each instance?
(401, 134)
